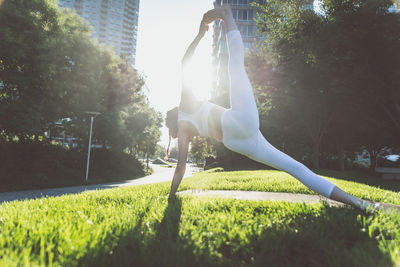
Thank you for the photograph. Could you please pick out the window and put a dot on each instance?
(235, 14)
(232, 2)
(242, 15)
(246, 30)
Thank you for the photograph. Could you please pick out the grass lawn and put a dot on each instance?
(357, 184)
(139, 226)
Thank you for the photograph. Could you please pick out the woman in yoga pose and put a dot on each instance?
(238, 127)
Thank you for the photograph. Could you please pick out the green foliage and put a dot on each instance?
(174, 153)
(42, 55)
(140, 226)
(135, 127)
(50, 69)
(160, 151)
(33, 165)
(200, 148)
(317, 79)
(357, 184)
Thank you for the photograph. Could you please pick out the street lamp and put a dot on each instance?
(92, 114)
(147, 132)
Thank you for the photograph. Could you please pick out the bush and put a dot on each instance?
(31, 165)
(112, 165)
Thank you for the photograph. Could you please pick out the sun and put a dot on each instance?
(199, 73)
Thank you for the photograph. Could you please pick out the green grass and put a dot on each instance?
(365, 187)
(139, 226)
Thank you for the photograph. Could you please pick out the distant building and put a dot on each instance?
(115, 22)
(244, 14)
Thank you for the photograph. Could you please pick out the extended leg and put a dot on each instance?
(241, 91)
(244, 114)
(265, 153)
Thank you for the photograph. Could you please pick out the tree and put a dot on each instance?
(361, 28)
(324, 77)
(41, 58)
(142, 125)
(160, 151)
(200, 148)
(293, 34)
(174, 152)
(50, 69)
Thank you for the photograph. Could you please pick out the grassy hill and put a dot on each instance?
(140, 226)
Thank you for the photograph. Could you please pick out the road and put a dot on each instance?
(161, 174)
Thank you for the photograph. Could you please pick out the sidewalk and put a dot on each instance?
(160, 174)
(263, 196)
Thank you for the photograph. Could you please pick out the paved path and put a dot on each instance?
(161, 174)
(254, 195)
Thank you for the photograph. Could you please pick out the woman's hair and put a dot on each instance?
(171, 121)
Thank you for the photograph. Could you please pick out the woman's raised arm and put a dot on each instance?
(192, 47)
(187, 96)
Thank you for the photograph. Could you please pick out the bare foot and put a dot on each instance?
(385, 206)
(379, 206)
(217, 13)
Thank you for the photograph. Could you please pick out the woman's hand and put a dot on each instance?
(183, 148)
(203, 28)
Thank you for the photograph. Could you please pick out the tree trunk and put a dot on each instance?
(340, 152)
(147, 157)
(317, 129)
(394, 115)
(372, 157)
(315, 155)
(373, 163)
(104, 145)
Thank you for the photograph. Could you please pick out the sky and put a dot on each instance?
(166, 28)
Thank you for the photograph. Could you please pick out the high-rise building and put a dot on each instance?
(115, 22)
(244, 14)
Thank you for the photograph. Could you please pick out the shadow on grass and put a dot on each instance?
(334, 238)
(362, 178)
(162, 247)
(168, 229)
(296, 237)
(54, 192)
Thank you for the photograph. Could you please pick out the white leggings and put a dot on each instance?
(240, 125)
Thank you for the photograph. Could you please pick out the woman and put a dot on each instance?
(238, 127)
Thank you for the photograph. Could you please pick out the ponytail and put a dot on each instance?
(168, 152)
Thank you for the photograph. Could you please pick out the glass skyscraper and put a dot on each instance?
(244, 14)
(115, 22)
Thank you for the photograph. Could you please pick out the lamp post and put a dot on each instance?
(146, 133)
(92, 114)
